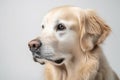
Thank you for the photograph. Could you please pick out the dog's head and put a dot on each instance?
(66, 33)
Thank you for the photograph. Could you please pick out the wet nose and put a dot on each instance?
(34, 44)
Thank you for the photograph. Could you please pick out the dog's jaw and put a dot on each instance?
(42, 60)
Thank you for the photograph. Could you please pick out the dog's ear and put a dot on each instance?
(93, 30)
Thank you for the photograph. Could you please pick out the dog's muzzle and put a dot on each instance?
(35, 48)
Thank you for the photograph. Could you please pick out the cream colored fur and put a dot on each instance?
(80, 42)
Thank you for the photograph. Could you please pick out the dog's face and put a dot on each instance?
(67, 31)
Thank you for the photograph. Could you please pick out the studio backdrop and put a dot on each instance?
(20, 21)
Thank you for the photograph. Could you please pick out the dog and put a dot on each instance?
(69, 45)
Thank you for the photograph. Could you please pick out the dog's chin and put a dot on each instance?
(59, 61)
(41, 61)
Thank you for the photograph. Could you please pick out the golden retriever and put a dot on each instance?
(69, 45)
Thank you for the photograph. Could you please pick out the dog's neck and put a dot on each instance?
(63, 72)
(67, 71)
(75, 69)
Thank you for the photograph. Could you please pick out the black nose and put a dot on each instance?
(34, 44)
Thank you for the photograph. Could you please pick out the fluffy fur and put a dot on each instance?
(78, 44)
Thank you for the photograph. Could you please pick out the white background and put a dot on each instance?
(20, 22)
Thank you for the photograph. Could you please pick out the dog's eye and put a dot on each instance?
(60, 27)
(42, 26)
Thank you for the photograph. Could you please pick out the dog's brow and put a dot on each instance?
(56, 23)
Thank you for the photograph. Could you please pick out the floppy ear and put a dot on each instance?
(93, 30)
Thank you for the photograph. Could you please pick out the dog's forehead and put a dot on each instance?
(64, 13)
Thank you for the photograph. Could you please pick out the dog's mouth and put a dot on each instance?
(42, 60)
(58, 61)
(39, 60)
